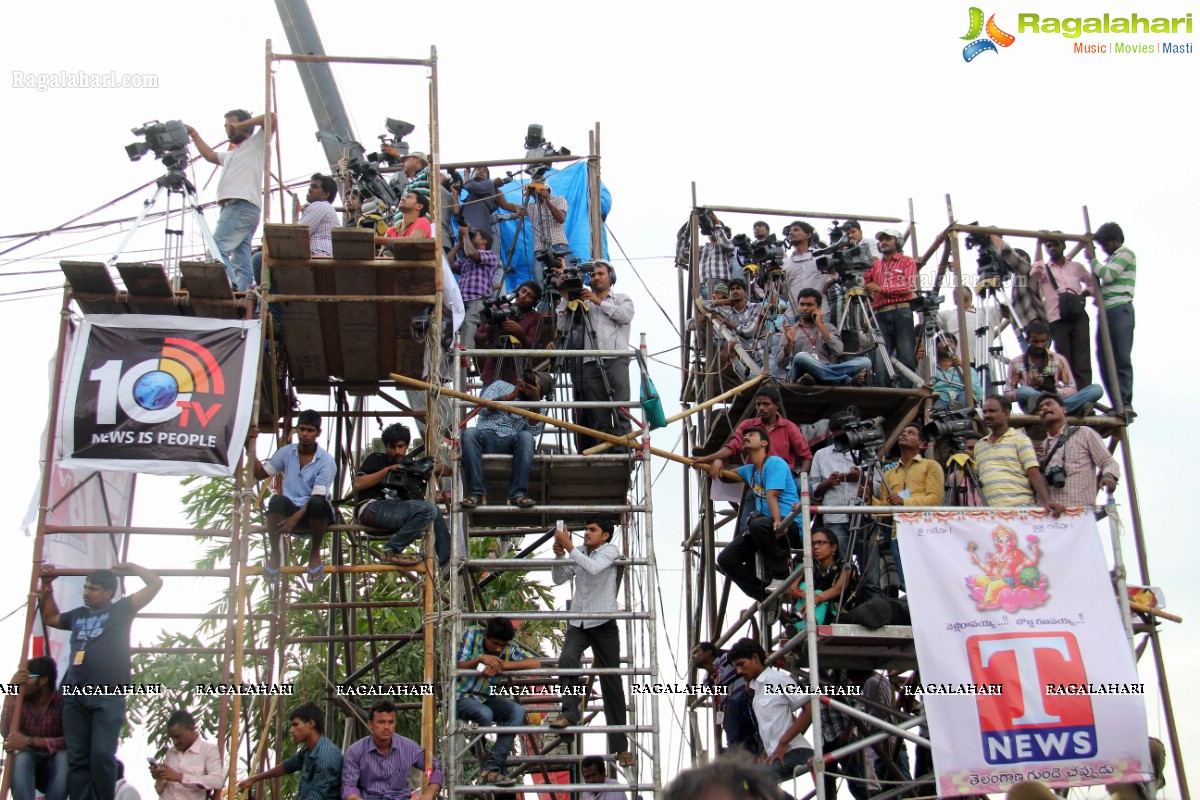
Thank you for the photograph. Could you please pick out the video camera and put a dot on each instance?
(706, 221)
(767, 253)
(499, 308)
(537, 146)
(847, 260)
(865, 436)
(991, 262)
(926, 303)
(364, 172)
(572, 281)
(167, 140)
(398, 129)
(956, 425)
(408, 482)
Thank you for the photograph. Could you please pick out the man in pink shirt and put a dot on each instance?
(891, 282)
(1070, 327)
(191, 767)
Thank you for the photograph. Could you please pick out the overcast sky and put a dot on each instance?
(851, 109)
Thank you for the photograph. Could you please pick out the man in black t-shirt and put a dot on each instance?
(99, 658)
(380, 505)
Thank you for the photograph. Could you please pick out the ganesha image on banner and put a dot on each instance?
(1010, 579)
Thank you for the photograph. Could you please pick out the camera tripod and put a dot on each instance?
(862, 541)
(987, 355)
(962, 482)
(579, 323)
(858, 317)
(174, 182)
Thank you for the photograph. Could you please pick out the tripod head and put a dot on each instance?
(176, 180)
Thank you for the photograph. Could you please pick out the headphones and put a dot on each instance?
(612, 273)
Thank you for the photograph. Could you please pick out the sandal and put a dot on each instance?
(523, 501)
(271, 575)
(400, 559)
(560, 722)
(626, 759)
(315, 573)
(494, 778)
(470, 501)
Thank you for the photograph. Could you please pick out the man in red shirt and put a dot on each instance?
(891, 282)
(787, 441)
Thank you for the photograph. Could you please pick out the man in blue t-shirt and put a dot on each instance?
(94, 686)
(774, 492)
(303, 506)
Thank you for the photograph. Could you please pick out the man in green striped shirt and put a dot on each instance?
(1116, 276)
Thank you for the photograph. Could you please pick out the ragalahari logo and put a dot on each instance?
(995, 36)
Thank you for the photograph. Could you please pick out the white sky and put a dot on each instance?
(775, 105)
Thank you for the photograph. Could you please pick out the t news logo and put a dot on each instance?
(1024, 723)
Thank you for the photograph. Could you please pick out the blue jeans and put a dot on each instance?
(1120, 330)
(1027, 396)
(28, 767)
(493, 711)
(409, 518)
(475, 443)
(827, 374)
(92, 726)
(236, 225)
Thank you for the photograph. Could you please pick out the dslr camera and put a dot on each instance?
(408, 482)
(1056, 476)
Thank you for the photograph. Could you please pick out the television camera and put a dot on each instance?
(991, 262)
(849, 261)
(953, 426)
(500, 308)
(767, 253)
(862, 436)
(408, 482)
(167, 140)
(537, 146)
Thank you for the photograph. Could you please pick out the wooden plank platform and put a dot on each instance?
(206, 282)
(355, 341)
(149, 291)
(145, 281)
(582, 481)
(856, 647)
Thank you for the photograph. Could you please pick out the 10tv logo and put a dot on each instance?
(160, 389)
(1024, 722)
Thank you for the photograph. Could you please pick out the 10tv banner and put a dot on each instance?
(1026, 670)
(160, 395)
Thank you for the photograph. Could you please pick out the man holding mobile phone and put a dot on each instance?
(191, 767)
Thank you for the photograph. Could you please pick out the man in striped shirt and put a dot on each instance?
(1006, 463)
(1116, 276)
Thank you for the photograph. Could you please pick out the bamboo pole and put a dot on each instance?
(964, 336)
(632, 435)
(570, 426)
(774, 212)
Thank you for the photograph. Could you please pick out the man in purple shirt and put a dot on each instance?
(376, 768)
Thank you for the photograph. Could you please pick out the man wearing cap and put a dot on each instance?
(414, 174)
(891, 282)
(1116, 276)
(499, 432)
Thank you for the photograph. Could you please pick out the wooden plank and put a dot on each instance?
(287, 241)
(325, 284)
(353, 243)
(302, 329)
(147, 280)
(92, 277)
(415, 250)
(205, 281)
(358, 333)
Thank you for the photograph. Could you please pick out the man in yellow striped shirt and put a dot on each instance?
(1006, 463)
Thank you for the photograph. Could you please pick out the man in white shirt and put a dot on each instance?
(781, 708)
(239, 190)
(191, 767)
(591, 769)
(123, 789)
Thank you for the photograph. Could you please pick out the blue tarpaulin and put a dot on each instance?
(570, 183)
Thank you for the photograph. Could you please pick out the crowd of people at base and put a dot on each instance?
(790, 318)
(64, 740)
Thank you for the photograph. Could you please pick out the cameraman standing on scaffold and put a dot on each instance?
(239, 190)
(598, 318)
(547, 213)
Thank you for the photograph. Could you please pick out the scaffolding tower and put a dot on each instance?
(715, 410)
